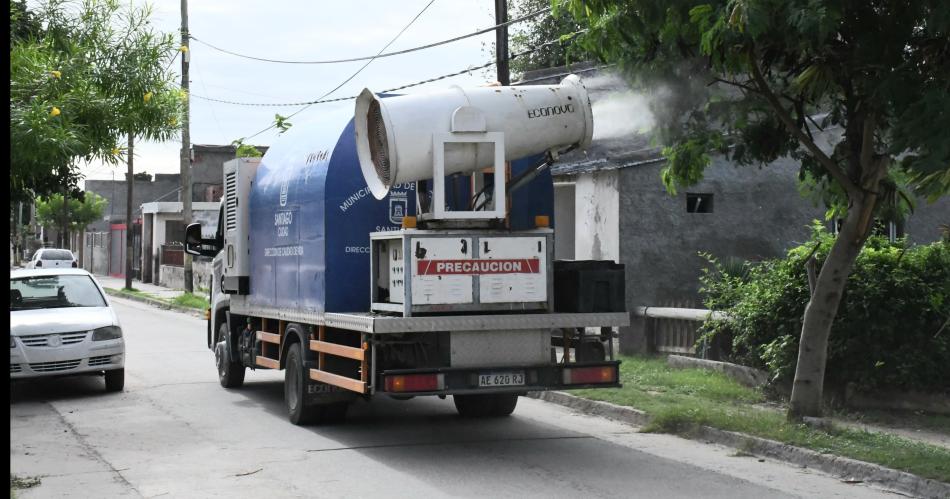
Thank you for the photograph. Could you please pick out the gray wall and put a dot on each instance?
(142, 192)
(923, 226)
(207, 169)
(757, 214)
(174, 277)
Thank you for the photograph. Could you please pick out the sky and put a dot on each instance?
(305, 30)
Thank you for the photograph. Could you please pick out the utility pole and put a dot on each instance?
(128, 218)
(186, 142)
(18, 235)
(501, 43)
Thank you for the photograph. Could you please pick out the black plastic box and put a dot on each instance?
(589, 286)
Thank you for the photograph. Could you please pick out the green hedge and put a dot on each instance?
(891, 329)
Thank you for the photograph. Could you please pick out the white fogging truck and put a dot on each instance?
(407, 249)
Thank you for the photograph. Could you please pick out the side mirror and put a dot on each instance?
(198, 246)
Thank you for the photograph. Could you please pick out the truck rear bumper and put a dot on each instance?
(466, 381)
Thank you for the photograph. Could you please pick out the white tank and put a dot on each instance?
(394, 135)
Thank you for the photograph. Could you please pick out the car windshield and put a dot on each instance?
(54, 291)
(56, 255)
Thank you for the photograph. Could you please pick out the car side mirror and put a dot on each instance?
(198, 246)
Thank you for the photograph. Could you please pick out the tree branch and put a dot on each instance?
(833, 170)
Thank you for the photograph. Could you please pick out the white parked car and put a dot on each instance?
(61, 323)
(47, 258)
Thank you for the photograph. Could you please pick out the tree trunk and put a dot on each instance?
(128, 219)
(823, 307)
(63, 242)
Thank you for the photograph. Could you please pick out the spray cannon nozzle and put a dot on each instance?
(396, 136)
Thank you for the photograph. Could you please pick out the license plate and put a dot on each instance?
(513, 378)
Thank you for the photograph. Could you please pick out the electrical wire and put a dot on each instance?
(381, 55)
(403, 87)
(358, 71)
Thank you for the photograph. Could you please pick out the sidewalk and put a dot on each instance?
(151, 289)
(156, 296)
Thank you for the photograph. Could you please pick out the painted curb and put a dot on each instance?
(156, 303)
(840, 467)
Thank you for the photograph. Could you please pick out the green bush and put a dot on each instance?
(891, 329)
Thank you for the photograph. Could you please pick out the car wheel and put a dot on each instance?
(491, 405)
(115, 380)
(230, 374)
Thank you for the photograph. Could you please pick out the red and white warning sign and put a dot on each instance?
(479, 267)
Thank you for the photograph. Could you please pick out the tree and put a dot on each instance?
(749, 79)
(74, 67)
(80, 212)
(245, 150)
(539, 30)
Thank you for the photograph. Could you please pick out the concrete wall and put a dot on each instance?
(207, 169)
(174, 277)
(923, 226)
(142, 192)
(564, 221)
(597, 216)
(757, 214)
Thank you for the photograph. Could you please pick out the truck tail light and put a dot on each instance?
(590, 375)
(415, 383)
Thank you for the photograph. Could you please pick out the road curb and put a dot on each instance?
(156, 303)
(842, 467)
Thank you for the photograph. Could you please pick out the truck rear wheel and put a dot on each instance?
(296, 382)
(230, 374)
(490, 405)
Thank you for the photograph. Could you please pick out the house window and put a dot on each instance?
(699, 203)
(174, 232)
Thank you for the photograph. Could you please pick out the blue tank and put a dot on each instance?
(311, 214)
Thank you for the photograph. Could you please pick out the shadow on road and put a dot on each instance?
(425, 438)
(58, 388)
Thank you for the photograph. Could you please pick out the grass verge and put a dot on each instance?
(681, 400)
(191, 300)
(188, 300)
(17, 482)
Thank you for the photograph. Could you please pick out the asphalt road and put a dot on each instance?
(174, 432)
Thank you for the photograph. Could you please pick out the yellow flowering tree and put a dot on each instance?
(79, 71)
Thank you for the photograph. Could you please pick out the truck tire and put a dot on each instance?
(115, 380)
(295, 386)
(490, 405)
(230, 374)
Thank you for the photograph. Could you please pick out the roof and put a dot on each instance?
(176, 206)
(227, 149)
(20, 273)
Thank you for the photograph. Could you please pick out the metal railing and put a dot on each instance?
(674, 330)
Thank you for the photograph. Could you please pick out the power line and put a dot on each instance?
(358, 71)
(378, 56)
(422, 82)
